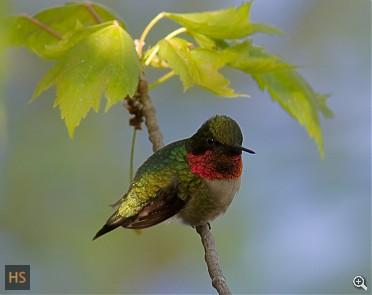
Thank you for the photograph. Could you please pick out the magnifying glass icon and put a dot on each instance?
(360, 283)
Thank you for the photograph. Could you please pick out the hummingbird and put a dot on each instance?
(194, 179)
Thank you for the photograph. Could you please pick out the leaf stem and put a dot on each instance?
(132, 150)
(146, 31)
(161, 80)
(152, 55)
(168, 37)
(93, 12)
(43, 26)
(175, 33)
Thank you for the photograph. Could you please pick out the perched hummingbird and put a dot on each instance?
(195, 178)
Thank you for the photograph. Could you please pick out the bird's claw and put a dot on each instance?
(208, 224)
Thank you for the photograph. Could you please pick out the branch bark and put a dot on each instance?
(212, 260)
(151, 122)
(156, 138)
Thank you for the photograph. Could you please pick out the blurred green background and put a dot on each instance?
(298, 225)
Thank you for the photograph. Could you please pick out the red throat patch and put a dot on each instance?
(207, 166)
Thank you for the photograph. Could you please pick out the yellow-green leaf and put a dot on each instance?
(209, 63)
(49, 26)
(196, 66)
(253, 60)
(321, 101)
(176, 52)
(230, 23)
(207, 42)
(284, 84)
(70, 39)
(104, 62)
(295, 96)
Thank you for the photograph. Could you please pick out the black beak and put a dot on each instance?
(246, 150)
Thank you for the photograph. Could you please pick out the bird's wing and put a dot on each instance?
(165, 204)
(153, 195)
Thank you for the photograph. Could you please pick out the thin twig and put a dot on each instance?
(133, 144)
(93, 12)
(43, 26)
(212, 260)
(168, 37)
(156, 138)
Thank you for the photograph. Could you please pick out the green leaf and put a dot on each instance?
(196, 67)
(283, 83)
(264, 28)
(104, 62)
(155, 61)
(49, 26)
(254, 60)
(207, 42)
(209, 63)
(176, 52)
(321, 101)
(285, 86)
(230, 23)
(47, 81)
(70, 39)
(295, 96)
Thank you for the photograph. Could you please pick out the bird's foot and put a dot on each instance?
(209, 226)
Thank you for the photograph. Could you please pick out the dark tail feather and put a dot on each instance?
(105, 229)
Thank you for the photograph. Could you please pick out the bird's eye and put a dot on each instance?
(210, 141)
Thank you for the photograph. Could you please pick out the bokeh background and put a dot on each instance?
(298, 225)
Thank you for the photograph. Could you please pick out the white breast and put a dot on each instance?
(209, 201)
(223, 191)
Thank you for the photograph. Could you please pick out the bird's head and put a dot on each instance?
(220, 134)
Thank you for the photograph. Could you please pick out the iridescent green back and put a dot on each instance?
(158, 171)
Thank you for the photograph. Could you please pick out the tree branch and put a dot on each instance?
(156, 138)
(212, 260)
